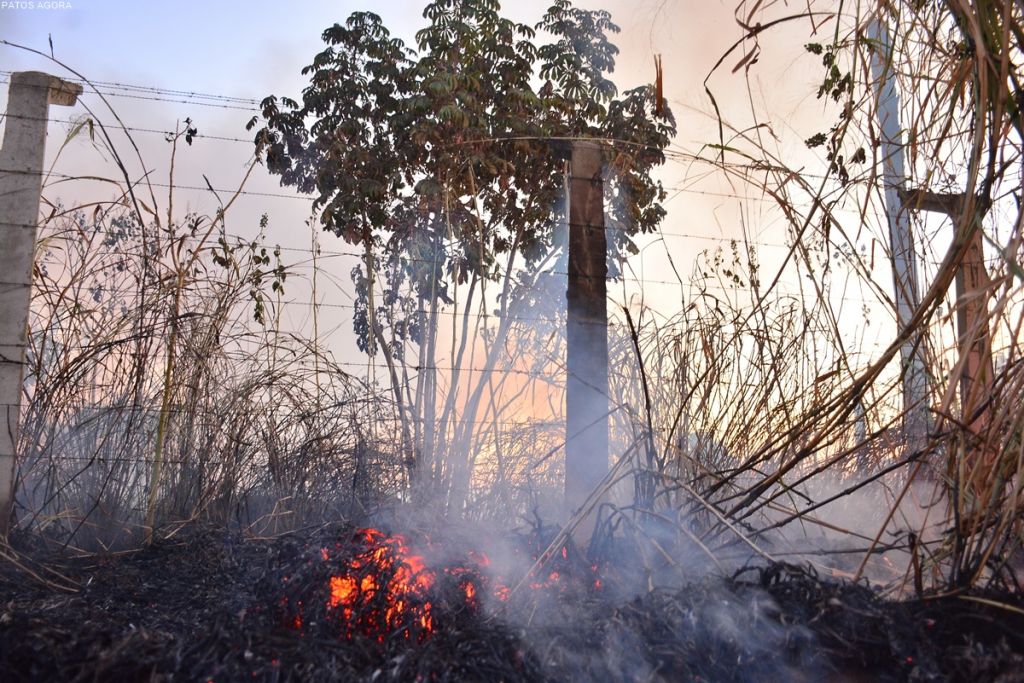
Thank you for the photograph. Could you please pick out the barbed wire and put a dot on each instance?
(689, 287)
(225, 101)
(114, 85)
(84, 121)
(99, 411)
(677, 154)
(217, 101)
(300, 197)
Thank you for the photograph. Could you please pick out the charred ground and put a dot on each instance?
(214, 605)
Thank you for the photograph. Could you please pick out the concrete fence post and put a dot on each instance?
(916, 414)
(21, 177)
(586, 448)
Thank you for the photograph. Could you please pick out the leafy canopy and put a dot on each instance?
(445, 157)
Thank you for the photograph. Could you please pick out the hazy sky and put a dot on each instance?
(256, 48)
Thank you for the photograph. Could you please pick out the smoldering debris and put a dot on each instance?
(216, 606)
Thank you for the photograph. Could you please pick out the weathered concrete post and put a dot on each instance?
(21, 178)
(586, 448)
(901, 241)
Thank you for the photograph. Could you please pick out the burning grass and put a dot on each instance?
(373, 585)
(343, 603)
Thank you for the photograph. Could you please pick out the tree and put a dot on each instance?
(443, 163)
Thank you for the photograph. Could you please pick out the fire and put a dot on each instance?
(384, 589)
(387, 568)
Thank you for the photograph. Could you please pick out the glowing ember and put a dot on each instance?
(383, 589)
(386, 590)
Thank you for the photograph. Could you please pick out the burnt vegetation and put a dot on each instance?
(205, 493)
(215, 606)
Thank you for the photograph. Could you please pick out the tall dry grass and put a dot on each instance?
(160, 392)
(817, 459)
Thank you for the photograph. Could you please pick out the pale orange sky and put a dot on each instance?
(253, 49)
